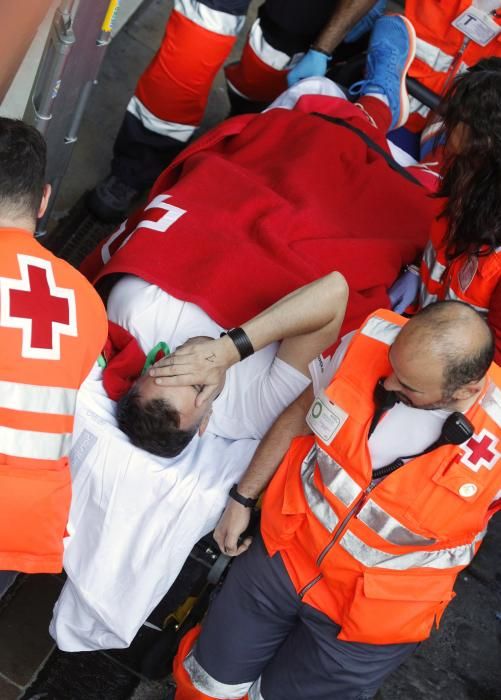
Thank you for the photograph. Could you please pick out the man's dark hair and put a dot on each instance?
(450, 320)
(22, 168)
(152, 425)
(471, 179)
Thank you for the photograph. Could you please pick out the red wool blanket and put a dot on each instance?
(266, 203)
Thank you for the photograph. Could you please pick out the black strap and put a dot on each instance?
(243, 500)
(372, 144)
(241, 341)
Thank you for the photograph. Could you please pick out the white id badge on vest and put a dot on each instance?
(477, 25)
(325, 418)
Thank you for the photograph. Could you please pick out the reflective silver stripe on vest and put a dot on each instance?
(429, 259)
(389, 528)
(491, 403)
(429, 255)
(37, 399)
(435, 268)
(425, 297)
(381, 330)
(436, 559)
(438, 61)
(317, 503)
(208, 685)
(210, 19)
(451, 295)
(437, 271)
(433, 56)
(416, 106)
(32, 444)
(337, 479)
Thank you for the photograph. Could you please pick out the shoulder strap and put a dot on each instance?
(373, 145)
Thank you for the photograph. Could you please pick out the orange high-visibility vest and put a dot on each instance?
(468, 278)
(52, 328)
(381, 559)
(440, 50)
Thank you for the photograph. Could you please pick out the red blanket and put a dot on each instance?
(266, 203)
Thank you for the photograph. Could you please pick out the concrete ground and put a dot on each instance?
(460, 662)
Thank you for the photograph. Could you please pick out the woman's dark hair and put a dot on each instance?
(472, 178)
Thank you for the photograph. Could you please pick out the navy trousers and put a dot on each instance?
(258, 628)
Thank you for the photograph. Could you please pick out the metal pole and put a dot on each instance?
(48, 78)
(70, 65)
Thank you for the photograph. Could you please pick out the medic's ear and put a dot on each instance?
(47, 190)
(467, 391)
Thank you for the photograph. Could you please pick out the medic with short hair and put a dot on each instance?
(52, 328)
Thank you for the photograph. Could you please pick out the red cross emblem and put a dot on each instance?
(480, 451)
(36, 305)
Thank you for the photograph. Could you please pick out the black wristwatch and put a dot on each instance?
(247, 502)
(241, 341)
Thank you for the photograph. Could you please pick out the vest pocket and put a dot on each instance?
(34, 506)
(390, 608)
(284, 506)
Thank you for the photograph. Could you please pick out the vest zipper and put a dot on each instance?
(335, 537)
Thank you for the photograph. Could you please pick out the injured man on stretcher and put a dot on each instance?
(255, 209)
(130, 546)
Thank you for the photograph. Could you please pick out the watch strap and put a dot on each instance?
(247, 502)
(241, 341)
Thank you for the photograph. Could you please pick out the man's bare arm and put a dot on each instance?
(313, 314)
(260, 471)
(346, 14)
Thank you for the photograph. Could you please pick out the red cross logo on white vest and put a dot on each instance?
(480, 451)
(42, 310)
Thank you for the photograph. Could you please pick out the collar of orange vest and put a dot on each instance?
(16, 231)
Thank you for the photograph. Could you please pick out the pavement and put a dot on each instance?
(462, 661)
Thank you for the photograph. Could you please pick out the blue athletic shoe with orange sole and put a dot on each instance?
(392, 48)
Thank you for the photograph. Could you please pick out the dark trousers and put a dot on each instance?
(257, 627)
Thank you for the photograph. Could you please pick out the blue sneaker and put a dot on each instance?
(364, 25)
(391, 51)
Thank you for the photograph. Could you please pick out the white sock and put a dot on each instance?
(379, 96)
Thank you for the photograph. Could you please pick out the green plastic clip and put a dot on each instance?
(151, 356)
